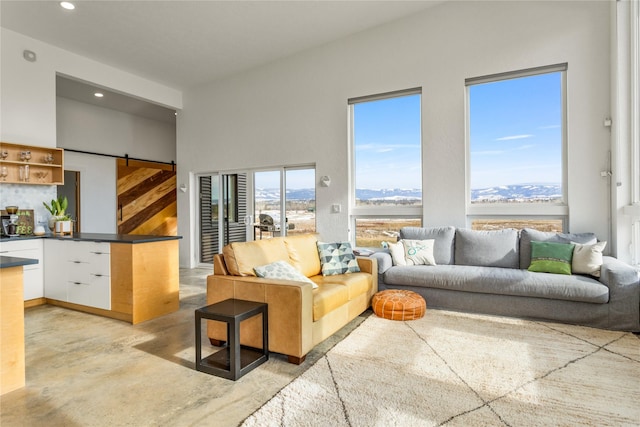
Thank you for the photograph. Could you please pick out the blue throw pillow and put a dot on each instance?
(337, 258)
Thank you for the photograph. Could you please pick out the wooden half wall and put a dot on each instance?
(146, 194)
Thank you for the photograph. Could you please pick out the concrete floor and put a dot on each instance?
(87, 370)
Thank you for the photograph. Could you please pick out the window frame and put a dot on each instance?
(558, 210)
(372, 212)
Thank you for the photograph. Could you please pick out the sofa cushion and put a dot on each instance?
(355, 283)
(443, 240)
(337, 258)
(550, 257)
(587, 259)
(327, 298)
(242, 257)
(502, 281)
(495, 248)
(303, 253)
(282, 270)
(527, 235)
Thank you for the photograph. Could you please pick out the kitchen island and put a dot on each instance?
(12, 375)
(127, 277)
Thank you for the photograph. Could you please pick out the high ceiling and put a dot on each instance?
(184, 43)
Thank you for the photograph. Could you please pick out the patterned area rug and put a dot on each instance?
(465, 370)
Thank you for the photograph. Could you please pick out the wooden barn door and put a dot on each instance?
(146, 198)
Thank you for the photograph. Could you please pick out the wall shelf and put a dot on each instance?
(41, 172)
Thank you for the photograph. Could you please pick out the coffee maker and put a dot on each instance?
(10, 222)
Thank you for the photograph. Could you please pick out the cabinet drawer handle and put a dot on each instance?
(77, 283)
(97, 275)
(77, 262)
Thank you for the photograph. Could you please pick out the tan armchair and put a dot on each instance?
(299, 316)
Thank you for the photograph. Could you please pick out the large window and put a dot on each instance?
(516, 149)
(386, 179)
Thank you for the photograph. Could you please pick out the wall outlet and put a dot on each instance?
(336, 208)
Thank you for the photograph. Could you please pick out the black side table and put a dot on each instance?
(233, 361)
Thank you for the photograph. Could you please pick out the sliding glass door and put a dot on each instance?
(296, 204)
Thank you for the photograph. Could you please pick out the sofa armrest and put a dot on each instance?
(615, 273)
(290, 309)
(384, 261)
(623, 282)
(370, 265)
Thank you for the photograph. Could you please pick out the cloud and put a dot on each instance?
(499, 152)
(512, 137)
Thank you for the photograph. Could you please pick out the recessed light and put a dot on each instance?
(67, 5)
(98, 95)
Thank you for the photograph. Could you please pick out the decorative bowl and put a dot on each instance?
(11, 210)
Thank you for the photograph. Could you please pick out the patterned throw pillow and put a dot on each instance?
(419, 252)
(587, 259)
(282, 270)
(548, 257)
(337, 258)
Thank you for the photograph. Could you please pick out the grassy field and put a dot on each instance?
(372, 232)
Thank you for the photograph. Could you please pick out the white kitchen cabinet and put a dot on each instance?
(78, 272)
(33, 274)
(55, 269)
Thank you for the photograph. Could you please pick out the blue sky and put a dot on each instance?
(387, 140)
(515, 131)
(515, 136)
(296, 179)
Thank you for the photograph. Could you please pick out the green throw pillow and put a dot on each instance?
(548, 257)
(337, 258)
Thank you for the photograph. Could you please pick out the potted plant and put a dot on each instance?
(57, 209)
(62, 224)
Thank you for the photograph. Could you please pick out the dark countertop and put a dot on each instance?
(11, 261)
(98, 237)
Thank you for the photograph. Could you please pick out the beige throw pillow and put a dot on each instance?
(397, 253)
(587, 259)
(419, 252)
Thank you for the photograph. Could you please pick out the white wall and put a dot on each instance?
(28, 97)
(295, 110)
(88, 127)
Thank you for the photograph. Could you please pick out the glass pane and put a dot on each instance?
(371, 232)
(515, 137)
(300, 201)
(387, 146)
(231, 198)
(555, 225)
(267, 204)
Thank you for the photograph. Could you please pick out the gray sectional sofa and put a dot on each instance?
(486, 272)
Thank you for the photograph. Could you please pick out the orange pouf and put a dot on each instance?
(396, 304)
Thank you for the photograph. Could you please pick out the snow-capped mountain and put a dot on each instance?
(517, 193)
(506, 193)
